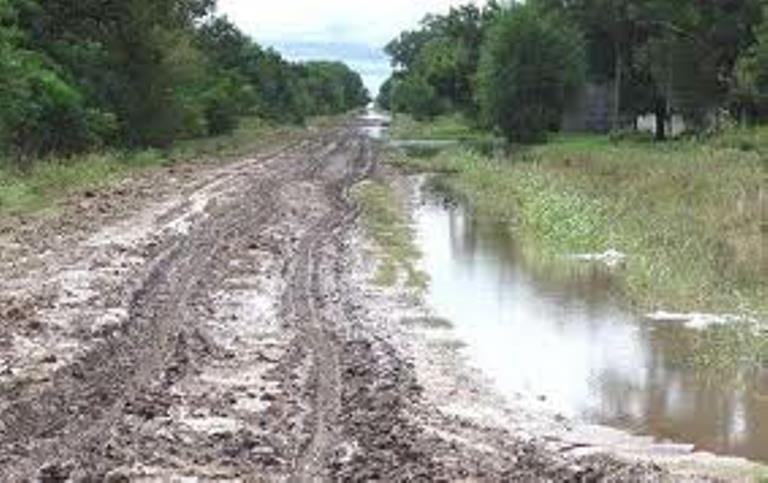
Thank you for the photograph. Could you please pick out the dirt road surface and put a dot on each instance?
(214, 322)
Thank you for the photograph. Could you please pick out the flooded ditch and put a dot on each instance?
(562, 336)
(565, 339)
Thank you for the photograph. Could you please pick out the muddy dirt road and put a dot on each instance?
(213, 322)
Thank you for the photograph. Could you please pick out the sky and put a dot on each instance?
(353, 31)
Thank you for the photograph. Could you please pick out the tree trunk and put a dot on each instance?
(617, 81)
(661, 120)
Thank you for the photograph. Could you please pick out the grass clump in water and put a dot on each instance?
(385, 222)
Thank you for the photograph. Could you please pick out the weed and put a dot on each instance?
(386, 223)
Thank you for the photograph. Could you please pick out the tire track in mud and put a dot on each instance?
(308, 301)
(343, 401)
(64, 427)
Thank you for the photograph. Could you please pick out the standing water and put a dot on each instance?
(374, 123)
(566, 340)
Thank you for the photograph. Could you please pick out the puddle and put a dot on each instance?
(566, 341)
(374, 124)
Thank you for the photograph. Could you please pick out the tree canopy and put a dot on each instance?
(81, 75)
(531, 65)
(689, 57)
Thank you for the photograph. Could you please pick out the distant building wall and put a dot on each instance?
(592, 110)
(675, 125)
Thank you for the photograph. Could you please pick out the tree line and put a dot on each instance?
(88, 74)
(516, 66)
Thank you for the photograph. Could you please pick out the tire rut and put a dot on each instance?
(306, 304)
(64, 427)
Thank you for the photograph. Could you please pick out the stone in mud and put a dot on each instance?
(55, 472)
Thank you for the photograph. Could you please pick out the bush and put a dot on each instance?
(415, 96)
(532, 64)
(40, 112)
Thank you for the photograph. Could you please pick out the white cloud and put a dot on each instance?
(361, 21)
(333, 29)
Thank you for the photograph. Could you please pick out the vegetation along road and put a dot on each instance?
(213, 263)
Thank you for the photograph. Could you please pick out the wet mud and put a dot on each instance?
(219, 323)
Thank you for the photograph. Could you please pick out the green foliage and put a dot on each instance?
(76, 76)
(665, 56)
(751, 77)
(688, 57)
(413, 94)
(384, 99)
(331, 88)
(439, 59)
(532, 63)
(40, 111)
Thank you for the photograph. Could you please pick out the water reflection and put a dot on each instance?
(374, 123)
(565, 338)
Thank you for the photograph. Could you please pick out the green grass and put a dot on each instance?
(690, 215)
(48, 180)
(386, 224)
(448, 127)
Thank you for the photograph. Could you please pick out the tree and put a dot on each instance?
(333, 87)
(663, 56)
(41, 109)
(384, 99)
(134, 73)
(532, 64)
(750, 85)
(444, 52)
(414, 95)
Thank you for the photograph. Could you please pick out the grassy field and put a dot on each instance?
(50, 179)
(692, 216)
(449, 127)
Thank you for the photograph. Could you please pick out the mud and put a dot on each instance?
(218, 323)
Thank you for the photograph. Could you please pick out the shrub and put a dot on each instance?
(532, 64)
(416, 96)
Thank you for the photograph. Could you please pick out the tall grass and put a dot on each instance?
(690, 215)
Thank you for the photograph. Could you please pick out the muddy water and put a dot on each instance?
(562, 338)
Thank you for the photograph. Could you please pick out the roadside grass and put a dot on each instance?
(447, 127)
(691, 216)
(34, 190)
(385, 222)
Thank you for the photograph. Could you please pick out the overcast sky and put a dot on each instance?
(350, 30)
